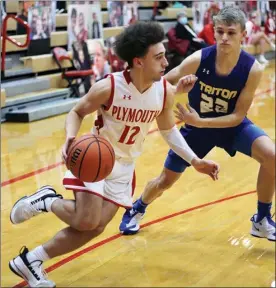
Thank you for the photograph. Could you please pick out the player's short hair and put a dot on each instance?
(231, 15)
(136, 39)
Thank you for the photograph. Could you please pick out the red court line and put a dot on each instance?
(116, 236)
(27, 175)
(24, 176)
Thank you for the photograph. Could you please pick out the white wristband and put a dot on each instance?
(178, 144)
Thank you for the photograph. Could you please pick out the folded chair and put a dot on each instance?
(74, 78)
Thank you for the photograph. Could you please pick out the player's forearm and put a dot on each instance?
(72, 124)
(178, 144)
(227, 121)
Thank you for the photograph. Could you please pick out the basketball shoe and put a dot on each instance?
(264, 228)
(130, 221)
(29, 206)
(32, 272)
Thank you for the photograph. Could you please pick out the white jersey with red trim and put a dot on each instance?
(128, 116)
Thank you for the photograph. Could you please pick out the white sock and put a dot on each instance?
(38, 254)
(49, 201)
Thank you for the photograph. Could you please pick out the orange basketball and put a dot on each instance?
(90, 158)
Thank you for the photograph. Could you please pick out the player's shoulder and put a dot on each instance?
(257, 69)
(195, 57)
(190, 64)
(255, 73)
(102, 88)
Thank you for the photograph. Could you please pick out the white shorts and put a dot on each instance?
(117, 188)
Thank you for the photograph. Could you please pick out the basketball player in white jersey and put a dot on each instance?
(127, 103)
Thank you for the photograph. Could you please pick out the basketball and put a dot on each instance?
(90, 158)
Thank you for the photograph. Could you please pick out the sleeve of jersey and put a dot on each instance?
(178, 144)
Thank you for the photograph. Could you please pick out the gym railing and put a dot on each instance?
(5, 37)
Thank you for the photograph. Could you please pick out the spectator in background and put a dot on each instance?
(95, 26)
(257, 37)
(45, 22)
(208, 33)
(34, 17)
(133, 18)
(83, 33)
(213, 10)
(197, 23)
(3, 11)
(40, 34)
(116, 14)
(20, 29)
(184, 31)
(270, 25)
(115, 62)
(72, 37)
(100, 65)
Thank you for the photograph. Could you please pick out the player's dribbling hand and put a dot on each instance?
(186, 83)
(189, 116)
(206, 167)
(65, 147)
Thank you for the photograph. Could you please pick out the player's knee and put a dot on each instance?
(100, 229)
(269, 160)
(86, 224)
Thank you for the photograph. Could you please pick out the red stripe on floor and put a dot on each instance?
(24, 176)
(114, 237)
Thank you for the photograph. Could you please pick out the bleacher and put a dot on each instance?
(34, 89)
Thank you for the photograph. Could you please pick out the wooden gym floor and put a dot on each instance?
(196, 235)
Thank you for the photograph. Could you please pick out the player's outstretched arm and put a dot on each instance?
(191, 117)
(98, 95)
(170, 133)
(188, 66)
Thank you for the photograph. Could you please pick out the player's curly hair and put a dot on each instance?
(136, 39)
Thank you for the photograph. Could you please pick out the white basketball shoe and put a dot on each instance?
(30, 206)
(32, 272)
(264, 228)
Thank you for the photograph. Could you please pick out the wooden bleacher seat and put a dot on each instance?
(56, 80)
(11, 25)
(43, 63)
(12, 6)
(58, 38)
(3, 97)
(146, 4)
(61, 20)
(171, 13)
(112, 31)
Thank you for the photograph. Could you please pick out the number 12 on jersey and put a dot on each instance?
(129, 134)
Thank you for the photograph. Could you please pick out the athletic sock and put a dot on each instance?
(263, 210)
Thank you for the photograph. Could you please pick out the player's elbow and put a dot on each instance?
(237, 119)
(77, 113)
